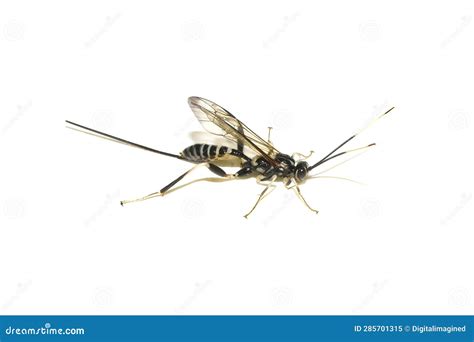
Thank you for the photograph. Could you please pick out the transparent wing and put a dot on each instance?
(219, 121)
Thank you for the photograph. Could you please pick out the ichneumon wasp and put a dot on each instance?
(263, 160)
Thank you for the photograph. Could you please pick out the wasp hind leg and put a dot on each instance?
(165, 189)
(212, 167)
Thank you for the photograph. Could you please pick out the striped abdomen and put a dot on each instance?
(206, 152)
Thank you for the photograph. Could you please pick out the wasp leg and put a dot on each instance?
(212, 167)
(298, 192)
(266, 182)
(166, 188)
(301, 155)
(269, 132)
(152, 195)
(262, 194)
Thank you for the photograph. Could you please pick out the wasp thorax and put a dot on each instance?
(285, 160)
(301, 170)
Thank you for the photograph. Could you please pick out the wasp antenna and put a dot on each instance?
(331, 154)
(373, 121)
(342, 153)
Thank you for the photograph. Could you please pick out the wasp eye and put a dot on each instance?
(301, 173)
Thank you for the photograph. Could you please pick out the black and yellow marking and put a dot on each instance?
(208, 152)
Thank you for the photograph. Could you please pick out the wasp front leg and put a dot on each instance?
(291, 184)
(300, 195)
(301, 156)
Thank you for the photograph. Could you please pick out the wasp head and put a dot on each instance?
(301, 170)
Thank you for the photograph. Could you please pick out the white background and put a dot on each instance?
(316, 72)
